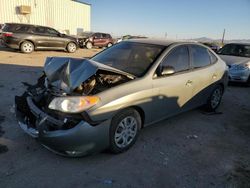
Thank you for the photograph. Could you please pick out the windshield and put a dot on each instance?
(241, 50)
(131, 57)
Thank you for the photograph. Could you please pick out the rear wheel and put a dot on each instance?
(89, 45)
(214, 99)
(124, 130)
(27, 47)
(109, 45)
(71, 47)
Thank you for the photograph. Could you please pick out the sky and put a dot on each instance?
(174, 19)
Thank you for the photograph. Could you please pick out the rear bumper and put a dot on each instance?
(11, 42)
(80, 140)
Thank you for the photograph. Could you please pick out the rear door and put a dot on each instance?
(97, 39)
(174, 91)
(204, 71)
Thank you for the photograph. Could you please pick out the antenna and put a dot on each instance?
(223, 37)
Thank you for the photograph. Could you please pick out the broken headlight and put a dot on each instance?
(73, 104)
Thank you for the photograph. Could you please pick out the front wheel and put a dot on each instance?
(89, 45)
(214, 99)
(124, 130)
(71, 47)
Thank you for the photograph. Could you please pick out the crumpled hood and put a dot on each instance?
(67, 73)
(230, 60)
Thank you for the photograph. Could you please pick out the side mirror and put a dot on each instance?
(168, 70)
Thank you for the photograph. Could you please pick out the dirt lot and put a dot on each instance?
(190, 150)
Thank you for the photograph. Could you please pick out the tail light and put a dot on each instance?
(7, 34)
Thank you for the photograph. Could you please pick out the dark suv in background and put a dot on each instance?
(90, 39)
(28, 38)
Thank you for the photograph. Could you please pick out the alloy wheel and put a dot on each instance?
(126, 132)
(216, 97)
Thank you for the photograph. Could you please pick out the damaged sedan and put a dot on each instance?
(82, 106)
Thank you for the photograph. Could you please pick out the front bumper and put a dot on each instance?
(80, 140)
(239, 75)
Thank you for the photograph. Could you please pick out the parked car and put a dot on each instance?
(81, 106)
(213, 46)
(127, 37)
(90, 40)
(28, 38)
(237, 57)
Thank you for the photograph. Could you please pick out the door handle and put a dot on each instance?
(214, 76)
(189, 83)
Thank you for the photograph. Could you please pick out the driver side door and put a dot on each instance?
(174, 90)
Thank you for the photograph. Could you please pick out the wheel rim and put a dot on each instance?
(89, 45)
(72, 47)
(109, 45)
(126, 131)
(27, 47)
(216, 97)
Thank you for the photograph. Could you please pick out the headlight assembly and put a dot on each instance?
(73, 104)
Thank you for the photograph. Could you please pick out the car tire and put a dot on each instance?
(248, 82)
(124, 130)
(89, 45)
(109, 45)
(214, 99)
(27, 47)
(71, 47)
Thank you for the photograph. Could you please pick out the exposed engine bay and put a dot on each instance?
(100, 82)
(66, 77)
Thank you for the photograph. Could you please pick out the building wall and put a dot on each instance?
(59, 14)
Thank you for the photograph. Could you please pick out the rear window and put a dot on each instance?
(15, 28)
(8, 27)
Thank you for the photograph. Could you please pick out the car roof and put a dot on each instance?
(239, 43)
(162, 42)
(25, 24)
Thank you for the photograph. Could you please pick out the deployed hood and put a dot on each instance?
(230, 60)
(68, 73)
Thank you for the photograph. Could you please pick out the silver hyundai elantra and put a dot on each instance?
(83, 106)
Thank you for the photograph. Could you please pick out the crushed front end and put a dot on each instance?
(70, 134)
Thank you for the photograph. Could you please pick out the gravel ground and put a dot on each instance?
(192, 149)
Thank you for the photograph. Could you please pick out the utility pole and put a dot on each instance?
(223, 37)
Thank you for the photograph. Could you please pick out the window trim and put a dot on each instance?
(212, 63)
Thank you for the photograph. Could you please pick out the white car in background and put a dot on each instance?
(237, 58)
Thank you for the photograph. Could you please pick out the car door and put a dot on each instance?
(55, 40)
(204, 71)
(41, 37)
(97, 39)
(175, 90)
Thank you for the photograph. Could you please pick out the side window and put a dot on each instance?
(178, 58)
(213, 58)
(40, 30)
(104, 36)
(51, 31)
(21, 28)
(97, 35)
(200, 56)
